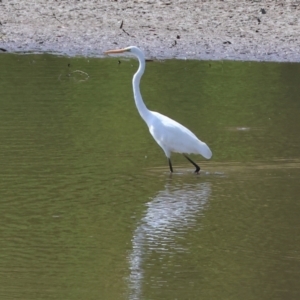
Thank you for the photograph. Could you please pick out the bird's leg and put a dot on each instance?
(197, 167)
(170, 165)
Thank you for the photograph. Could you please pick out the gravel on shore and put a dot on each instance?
(257, 30)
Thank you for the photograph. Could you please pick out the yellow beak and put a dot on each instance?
(115, 51)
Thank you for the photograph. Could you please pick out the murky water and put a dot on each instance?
(89, 210)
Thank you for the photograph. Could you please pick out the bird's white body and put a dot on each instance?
(169, 134)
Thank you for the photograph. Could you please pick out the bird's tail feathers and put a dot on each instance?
(205, 151)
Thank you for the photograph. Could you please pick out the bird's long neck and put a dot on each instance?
(141, 107)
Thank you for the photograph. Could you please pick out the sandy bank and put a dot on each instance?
(202, 29)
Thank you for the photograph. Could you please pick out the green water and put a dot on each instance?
(90, 211)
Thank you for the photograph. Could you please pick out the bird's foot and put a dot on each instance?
(197, 171)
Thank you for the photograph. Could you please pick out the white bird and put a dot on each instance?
(169, 134)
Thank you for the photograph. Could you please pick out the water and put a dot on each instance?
(89, 210)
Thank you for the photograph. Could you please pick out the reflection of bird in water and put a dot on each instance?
(169, 215)
(169, 134)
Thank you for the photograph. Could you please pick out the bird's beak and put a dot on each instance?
(115, 51)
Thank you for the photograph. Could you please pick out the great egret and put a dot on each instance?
(169, 134)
